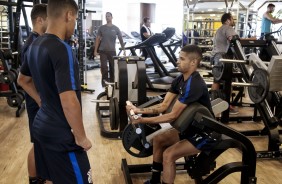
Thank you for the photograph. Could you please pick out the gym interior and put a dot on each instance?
(122, 152)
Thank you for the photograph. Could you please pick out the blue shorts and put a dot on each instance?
(202, 141)
(70, 167)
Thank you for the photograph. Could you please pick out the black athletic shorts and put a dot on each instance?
(202, 141)
(62, 167)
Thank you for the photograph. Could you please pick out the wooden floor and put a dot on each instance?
(105, 155)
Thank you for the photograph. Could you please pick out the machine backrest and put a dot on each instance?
(275, 73)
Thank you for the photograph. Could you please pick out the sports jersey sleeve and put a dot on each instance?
(192, 92)
(173, 87)
(118, 32)
(143, 30)
(24, 67)
(66, 75)
(99, 31)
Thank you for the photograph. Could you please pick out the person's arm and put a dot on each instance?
(121, 43)
(144, 32)
(177, 109)
(146, 35)
(271, 18)
(230, 33)
(72, 111)
(97, 43)
(155, 109)
(27, 84)
(66, 79)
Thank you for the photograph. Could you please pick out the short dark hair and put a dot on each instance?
(270, 5)
(145, 19)
(225, 17)
(194, 50)
(55, 7)
(38, 10)
(109, 13)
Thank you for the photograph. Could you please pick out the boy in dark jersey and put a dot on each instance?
(60, 142)
(39, 23)
(170, 146)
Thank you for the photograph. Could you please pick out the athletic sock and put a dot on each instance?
(33, 180)
(156, 172)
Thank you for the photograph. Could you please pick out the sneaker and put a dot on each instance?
(233, 111)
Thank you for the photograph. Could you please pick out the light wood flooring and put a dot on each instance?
(105, 155)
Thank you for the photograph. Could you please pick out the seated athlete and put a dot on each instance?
(170, 146)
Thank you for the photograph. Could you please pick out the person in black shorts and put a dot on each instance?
(170, 146)
(39, 23)
(50, 68)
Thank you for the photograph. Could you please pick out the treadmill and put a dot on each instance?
(165, 79)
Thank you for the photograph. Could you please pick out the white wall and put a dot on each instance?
(126, 14)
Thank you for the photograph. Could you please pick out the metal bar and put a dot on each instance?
(232, 61)
(5, 3)
(25, 20)
(242, 6)
(232, 4)
(195, 4)
(244, 84)
(251, 3)
(100, 101)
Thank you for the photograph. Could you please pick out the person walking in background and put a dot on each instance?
(106, 45)
(193, 36)
(145, 33)
(39, 23)
(268, 19)
(221, 42)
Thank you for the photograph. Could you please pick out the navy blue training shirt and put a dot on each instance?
(30, 102)
(54, 70)
(194, 89)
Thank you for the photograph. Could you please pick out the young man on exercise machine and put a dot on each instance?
(170, 145)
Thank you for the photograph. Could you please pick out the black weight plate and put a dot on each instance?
(21, 93)
(117, 113)
(102, 96)
(132, 143)
(260, 77)
(112, 114)
(16, 73)
(15, 100)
